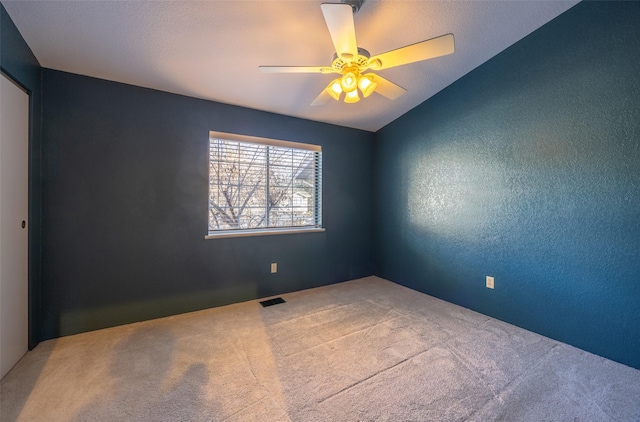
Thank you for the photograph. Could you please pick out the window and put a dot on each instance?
(263, 186)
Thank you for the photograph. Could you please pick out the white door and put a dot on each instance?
(14, 167)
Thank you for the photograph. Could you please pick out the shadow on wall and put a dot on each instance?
(105, 316)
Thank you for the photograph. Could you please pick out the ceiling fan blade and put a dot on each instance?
(387, 88)
(339, 18)
(435, 47)
(296, 69)
(321, 99)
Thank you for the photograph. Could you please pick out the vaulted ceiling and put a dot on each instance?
(212, 49)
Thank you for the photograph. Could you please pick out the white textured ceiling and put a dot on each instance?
(212, 49)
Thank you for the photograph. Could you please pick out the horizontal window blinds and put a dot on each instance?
(263, 185)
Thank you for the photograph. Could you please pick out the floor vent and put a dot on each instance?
(272, 302)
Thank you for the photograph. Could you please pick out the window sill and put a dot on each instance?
(247, 233)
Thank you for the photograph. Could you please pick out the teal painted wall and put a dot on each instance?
(527, 169)
(125, 188)
(18, 62)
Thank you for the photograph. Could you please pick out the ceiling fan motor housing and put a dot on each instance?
(355, 4)
(339, 63)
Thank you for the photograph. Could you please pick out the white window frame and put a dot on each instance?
(253, 140)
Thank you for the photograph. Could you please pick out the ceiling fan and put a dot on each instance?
(356, 64)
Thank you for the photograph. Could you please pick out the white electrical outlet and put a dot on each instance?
(274, 267)
(489, 282)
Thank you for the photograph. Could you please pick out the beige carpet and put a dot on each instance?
(364, 350)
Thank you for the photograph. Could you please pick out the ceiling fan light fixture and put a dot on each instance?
(367, 85)
(334, 89)
(352, 97)
(349, 81)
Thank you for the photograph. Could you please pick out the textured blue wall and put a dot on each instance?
(125, 187)
(528, 169)
(18, 62)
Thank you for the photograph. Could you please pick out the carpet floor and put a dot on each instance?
(363, 350)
